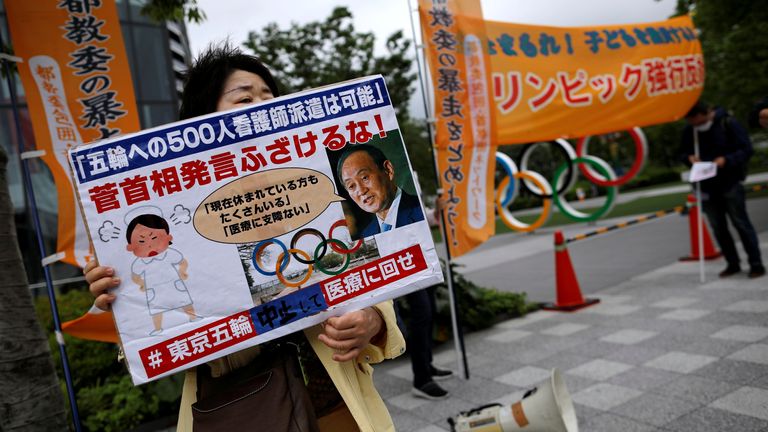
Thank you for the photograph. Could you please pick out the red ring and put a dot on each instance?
(637, 165)
(339, 249)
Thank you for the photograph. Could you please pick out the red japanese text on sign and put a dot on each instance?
(373, 275)
(192, 346)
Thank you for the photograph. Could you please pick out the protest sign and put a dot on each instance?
(702, 171)
(235, 228)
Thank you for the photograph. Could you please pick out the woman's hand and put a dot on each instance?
(101, 280)
(350, 333)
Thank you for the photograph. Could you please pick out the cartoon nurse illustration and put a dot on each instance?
(159, 270)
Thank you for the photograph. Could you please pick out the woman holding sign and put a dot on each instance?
(334, 357)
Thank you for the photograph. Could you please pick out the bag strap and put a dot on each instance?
(725, 124)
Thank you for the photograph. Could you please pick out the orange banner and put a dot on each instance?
(78, 87)
(454, 36)
(552, 82)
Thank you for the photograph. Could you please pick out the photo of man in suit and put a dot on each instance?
(369, 179)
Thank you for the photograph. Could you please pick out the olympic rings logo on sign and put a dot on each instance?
(313, 262)
(596, 170)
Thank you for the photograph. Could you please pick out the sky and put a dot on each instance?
(233, 19)
(370, 15)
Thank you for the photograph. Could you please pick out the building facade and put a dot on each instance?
(158, 55)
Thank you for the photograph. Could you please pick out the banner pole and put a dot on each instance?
(458, 335)
(40, 245)
(700, 209)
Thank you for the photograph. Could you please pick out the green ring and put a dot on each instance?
(608, 199)
(320, 266)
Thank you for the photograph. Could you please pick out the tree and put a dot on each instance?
(319, 53)
(734, 38)
(30, 395)
(161, 10)
(418, 145)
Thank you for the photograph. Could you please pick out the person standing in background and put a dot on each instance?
(725, 142)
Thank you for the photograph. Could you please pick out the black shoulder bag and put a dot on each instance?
(268, 394)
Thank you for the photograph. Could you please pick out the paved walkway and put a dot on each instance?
(523, 262)
(661, 352)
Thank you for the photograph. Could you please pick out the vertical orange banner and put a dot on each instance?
(78, 85)
(455, 41)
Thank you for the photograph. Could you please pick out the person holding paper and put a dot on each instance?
(369, 178)
(723, 141)
(337, 353)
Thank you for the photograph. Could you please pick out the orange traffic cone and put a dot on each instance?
(568, 292)
(710, 251)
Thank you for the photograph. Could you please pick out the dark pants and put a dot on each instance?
(419, 335)
(732, 203)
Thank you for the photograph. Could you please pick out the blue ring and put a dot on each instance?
(283, 265)
(510, 189)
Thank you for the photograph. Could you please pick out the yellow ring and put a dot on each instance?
(507, 217)
(282, 278)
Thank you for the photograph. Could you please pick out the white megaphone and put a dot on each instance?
(546, 408)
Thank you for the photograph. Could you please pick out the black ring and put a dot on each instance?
(570, 172)
(301, 233)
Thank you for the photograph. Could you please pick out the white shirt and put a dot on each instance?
(392, 213)
(158, 269)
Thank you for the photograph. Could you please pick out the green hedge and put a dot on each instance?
(107, 399)
(480, 307)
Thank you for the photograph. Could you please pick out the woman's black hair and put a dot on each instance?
(148, 220)
(205, 79)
